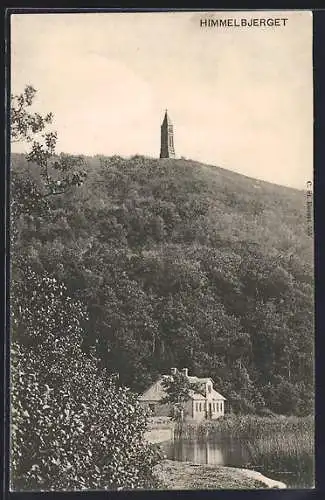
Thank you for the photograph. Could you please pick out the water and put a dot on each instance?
(217, 452)
(227, 451)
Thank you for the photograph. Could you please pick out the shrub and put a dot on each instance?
(73, 427)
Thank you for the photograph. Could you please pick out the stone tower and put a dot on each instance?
(167, 138)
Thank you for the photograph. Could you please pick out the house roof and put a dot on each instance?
(203, 380)
(198, 380)
(156, 391)
(217, 395)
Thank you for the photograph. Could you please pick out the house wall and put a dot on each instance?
(157, 409)
(218, 408)
(215, 407)
(209, 408)
(188, 410)
(196, 410)
(201, 409)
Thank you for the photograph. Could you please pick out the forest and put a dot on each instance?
(181, 264)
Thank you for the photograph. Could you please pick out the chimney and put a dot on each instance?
(185, 372)
(173, 371)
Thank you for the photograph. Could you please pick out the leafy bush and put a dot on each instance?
(72, 426)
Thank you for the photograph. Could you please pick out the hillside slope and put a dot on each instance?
(185, 264)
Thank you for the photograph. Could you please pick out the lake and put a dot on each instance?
(231, 452)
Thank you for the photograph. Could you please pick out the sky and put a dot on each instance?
(239, 98)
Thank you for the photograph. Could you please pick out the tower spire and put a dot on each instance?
(167, 138)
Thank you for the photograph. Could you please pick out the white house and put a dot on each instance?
(205, 403)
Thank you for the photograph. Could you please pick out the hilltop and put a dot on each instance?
(185, 264)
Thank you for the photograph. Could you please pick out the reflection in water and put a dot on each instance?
(221, 452)
(228, 451)
(197, 452)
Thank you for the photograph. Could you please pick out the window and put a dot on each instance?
(200, 406)
(214, 407)
(217, 406)
(209, 388)
(220, 406)
(197, 406)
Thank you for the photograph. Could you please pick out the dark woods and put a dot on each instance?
(132, 266)
(181, 264)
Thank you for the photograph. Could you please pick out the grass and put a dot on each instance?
(280, 446)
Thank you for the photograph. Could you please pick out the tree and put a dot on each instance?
(57, 173)
(178, 390)
(24, 125)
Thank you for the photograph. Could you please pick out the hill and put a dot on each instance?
(185, 264)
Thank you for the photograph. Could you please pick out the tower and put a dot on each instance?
(167, 138)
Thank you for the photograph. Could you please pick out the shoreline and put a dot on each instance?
(188, 475)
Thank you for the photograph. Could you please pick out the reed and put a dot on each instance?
(290, 454)
(282, 446)
(250, 426)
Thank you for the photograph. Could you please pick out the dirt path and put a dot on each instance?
(189, 476)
